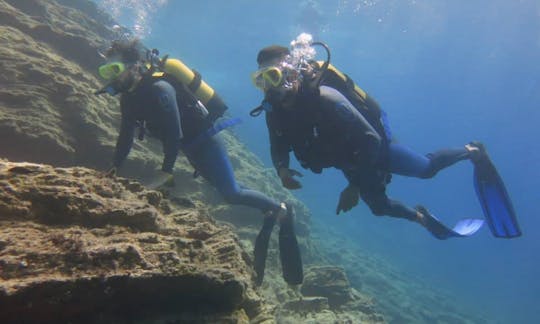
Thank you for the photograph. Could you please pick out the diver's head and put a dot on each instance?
(123, 69)
(271, 54)
(276, 76)
(127, 50)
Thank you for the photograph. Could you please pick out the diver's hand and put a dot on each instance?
(161, 178)
(348, 199)
(287, 178)
(111, 172)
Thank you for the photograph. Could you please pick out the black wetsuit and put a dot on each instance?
(327, 131)
(171, 116)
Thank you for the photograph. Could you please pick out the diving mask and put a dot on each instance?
(121, 78)
(111, 71)
(274, 77)
(267, 78)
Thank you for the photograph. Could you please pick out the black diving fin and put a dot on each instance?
(463, 228)
(494, 199)
(289, 251)
(261, 247)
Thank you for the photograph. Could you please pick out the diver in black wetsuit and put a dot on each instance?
(324, 129)
(168, 110)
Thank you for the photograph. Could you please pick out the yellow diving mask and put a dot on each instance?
(267, 77)
(111, 71)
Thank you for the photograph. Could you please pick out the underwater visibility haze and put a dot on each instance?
(446, 73)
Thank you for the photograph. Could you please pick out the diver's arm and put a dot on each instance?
(365, 140)
(280, 156)
(358, 133)
(125, 138)
(172, 126)
(170, 150)
(279, 147)
(279, 150)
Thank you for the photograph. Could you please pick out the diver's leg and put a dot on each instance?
(211, 160)
(380, 205)
(406, 162)
(213, 164)
(371, 184)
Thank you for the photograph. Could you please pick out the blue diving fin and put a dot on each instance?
(494, 199)
(463, 228)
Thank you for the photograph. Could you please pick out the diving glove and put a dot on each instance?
(348, 199)
(287, 178)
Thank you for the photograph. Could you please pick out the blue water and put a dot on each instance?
(447, 72)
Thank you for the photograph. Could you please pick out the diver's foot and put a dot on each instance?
(282, 213)
(476, 150)
(426, 219)
(277, 214)
(421, 215)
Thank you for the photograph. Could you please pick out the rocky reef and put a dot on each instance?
(402, 297)
(76, 246)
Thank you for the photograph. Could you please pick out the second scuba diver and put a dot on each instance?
(171, 102)
(319, 113)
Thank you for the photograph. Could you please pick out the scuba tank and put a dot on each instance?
(193, 81)
(207, 104)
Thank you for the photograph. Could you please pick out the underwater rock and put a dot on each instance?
(307, 304)
(68, 252)
(378, 287)
(330, 282)
(327, 298)
(49, 113)
(358, 310)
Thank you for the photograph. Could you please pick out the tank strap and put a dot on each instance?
(196, 82)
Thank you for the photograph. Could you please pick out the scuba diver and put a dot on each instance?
(167, 100)
(318, 112)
